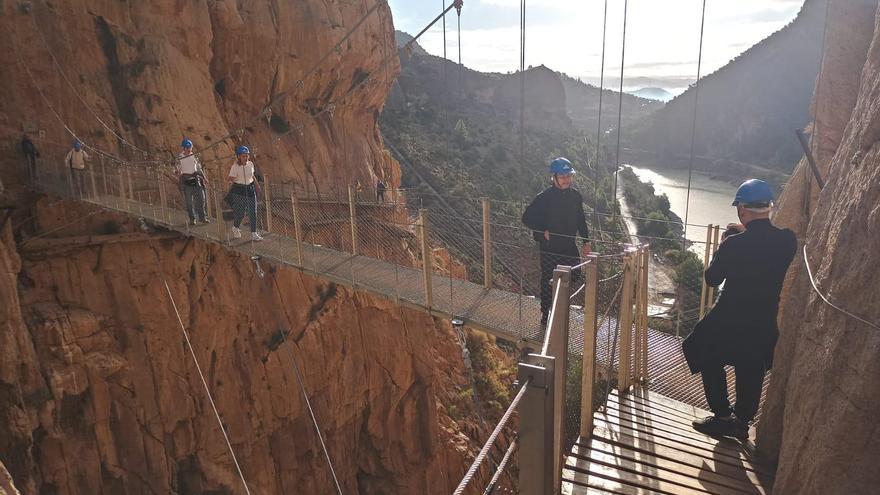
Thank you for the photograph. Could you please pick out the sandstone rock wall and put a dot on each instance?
(157, 71)
(824, 395)
(99, 394)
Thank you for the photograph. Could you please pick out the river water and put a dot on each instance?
(709, 199)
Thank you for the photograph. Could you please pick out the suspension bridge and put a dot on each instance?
(628, 432)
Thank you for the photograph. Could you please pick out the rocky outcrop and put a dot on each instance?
(155, 72)
(6, 486)
(823, 399)
(99, 395)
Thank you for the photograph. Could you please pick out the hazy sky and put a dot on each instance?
(566, 35)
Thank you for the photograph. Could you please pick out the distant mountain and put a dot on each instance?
(582, 102)
(657, 94)
(748, 110)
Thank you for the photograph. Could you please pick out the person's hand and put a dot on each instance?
(547, 235)
(732, 229)
(587, 249)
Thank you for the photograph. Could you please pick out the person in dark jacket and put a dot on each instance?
(741, 328)
(30, 155)
(556, 217)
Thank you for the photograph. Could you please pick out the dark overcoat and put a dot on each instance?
(742, 327)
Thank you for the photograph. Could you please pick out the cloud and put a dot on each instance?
(566, 35)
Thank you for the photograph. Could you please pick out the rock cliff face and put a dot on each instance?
(99, 394)
(155, 72)
(820, 422)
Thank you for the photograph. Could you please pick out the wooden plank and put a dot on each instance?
(607, 483)
(724, 469)
(661, 400)
(697, 447)
(645, 466)
(650, 408)
(604, 466)
(680, 435)
(658, 422)
(572, 488)
(614, 432)
(699, 477)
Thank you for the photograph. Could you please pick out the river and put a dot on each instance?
(709, 199)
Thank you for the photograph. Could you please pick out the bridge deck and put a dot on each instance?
(643, 444)
(504, 314)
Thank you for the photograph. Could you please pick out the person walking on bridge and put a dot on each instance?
(30, 155)
(741, 329)
(192, 181)
(243, 193)
(76, 162)
(556, 217)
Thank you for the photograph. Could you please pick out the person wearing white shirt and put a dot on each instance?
(242, 177)
(192, 182)
(76, 163)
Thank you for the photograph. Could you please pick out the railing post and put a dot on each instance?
(487, 246)
(104, 177)
(639, 303)
(626, 320)
(646, 255)
(121, 170)
(130, 184)
(94, 182)
(427, 263)
(163, 196)
(352, 197)
(703, 286)
(588, 367)
(221, 224)
(715, 239)
(267, 198)
(556, 345)
(535, 433)
(297, 233)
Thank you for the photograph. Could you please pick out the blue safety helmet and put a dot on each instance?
(753, 191)
(241, 150)
(561, 166)
(76, 144)
(186, 143)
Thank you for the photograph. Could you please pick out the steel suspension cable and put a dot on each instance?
(522, 80)
(827, 301)
(493, 483)
(599, 120)
(302, 389)
(491, 440)
(620, 102)
(205, 384)
(72, 87)
(694, 125)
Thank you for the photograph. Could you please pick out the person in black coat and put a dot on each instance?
(30, 155)
(741, 329)
(556, 217)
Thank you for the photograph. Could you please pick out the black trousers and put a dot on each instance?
(549, 261)
(749, 380)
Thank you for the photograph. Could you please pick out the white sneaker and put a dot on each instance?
(236, 233)
(255, 236)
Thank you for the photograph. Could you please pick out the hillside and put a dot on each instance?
(582, 102)
(748, 109)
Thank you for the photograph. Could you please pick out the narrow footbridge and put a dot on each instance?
(635, 440)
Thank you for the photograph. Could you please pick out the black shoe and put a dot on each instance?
(729, 426)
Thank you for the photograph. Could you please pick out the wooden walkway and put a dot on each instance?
(643, 444)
